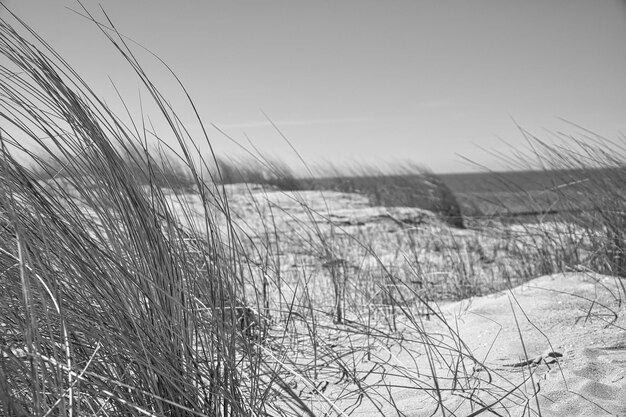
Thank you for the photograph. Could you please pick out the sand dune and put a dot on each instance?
(573, 343)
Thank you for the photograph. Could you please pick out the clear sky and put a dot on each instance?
(366, 80)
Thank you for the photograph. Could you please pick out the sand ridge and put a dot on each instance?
(570, 359)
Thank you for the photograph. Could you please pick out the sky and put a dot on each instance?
(436, 83)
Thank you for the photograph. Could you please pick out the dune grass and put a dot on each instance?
(590, 171)
(132, 284)
(109, 306)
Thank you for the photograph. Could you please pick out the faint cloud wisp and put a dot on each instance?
(305, 122)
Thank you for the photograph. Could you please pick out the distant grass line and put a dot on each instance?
(486, 195)
(403, 185)
(455, 197)
(406, 185)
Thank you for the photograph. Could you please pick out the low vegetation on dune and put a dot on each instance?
(164, 283)
(404, 185)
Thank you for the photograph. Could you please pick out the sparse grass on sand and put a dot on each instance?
(137, 284)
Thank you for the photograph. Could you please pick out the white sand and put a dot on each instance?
(588, 380)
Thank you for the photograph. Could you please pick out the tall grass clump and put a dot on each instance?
(108, 304)
(593, 169)
(581, 211)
